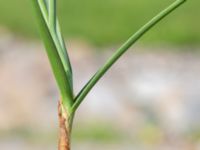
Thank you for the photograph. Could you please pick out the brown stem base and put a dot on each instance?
(64, 131)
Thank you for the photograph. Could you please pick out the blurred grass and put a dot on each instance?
(109, 22)
(100, 133)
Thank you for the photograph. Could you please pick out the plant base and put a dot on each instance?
(64, 131)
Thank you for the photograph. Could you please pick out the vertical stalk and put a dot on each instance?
(65, 127)
(52, 15)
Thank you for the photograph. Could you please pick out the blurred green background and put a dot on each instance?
(109, 22)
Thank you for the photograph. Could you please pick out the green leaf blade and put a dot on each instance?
(60, 73)
(134, 38)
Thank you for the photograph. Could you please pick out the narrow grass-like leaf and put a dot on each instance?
(57, 37)
(64, 50)
(52, 14)
(55, 31)
(58, 68)
(46, 8)
(86, 89)
(43, 4)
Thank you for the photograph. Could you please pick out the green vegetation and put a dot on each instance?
(108, 22)
(100, 133)
(46, 14)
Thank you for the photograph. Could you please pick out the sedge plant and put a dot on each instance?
(46, 15)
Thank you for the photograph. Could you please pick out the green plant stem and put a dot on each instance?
(52, 45)
(122, 50)
(54, 28)
(43, 9)
(52, 15)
